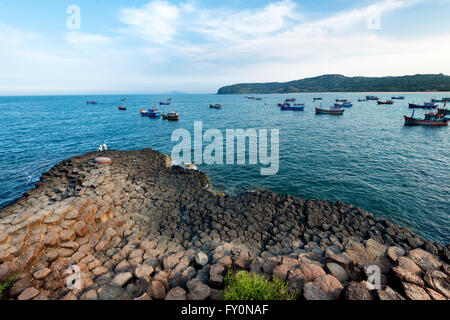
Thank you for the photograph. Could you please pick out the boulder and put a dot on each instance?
(176, 293)
(197, 290)
(356, 291)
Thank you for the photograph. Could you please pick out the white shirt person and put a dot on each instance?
(105, 147)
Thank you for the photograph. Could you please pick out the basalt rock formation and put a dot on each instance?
(139, 228)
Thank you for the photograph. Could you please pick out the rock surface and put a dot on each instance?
(141, 229)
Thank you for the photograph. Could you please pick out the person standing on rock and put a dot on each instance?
(105, 147)
(100, 148)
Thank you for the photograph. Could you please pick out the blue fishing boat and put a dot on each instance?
(344, 105)
(151, 113)
(398, 98)
(91, 102)
(371, 98)
(167, 103)
(287, 106)
(424, 106)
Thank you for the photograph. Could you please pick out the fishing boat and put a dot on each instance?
(333, 110)
(167, 103)
(431, 119)
(91, 102)
(290, 100)
(342, 100)
(361, 100)
(444, 112)
(398, 98)
(172, 116)
(122, 108)
(299, 107)
(258, 99)
(152, 113)
(386, 102)
(315, 99)
(215, 106)
(165, 116)
(123, 100)
(344, 105)
(424, 106)
(371, 98)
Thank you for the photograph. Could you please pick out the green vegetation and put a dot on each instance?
(340, 83)
(250, 286)
(6, 285)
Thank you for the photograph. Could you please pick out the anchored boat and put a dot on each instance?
(398, 98)
(173, 116)
(91, 102)
(215, 106)
(333, 110)
(122, 108)
(424, 106)
(344, 105)
(386, 102)
(431, 119)
(151, 113)
(371, 98)
(297, 107)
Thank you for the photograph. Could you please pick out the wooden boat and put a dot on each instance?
(258, 99)
(167, 103)
(431, 119)
(424, 106)
(122, 108)
(333, 110)
(315, 99)
(165, 116)
(371, 98)
(91, 102)
(293, 108)
(344, 105)
(215, 106)
(386, 102)
(290, 100)
(398, 98)
(361, 100)
(342, 100)
(173, 116)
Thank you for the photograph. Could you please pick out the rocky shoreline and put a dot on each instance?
(141, 229)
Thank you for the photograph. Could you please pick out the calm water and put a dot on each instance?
(366, 157)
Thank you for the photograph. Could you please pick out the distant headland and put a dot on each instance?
(340, 83)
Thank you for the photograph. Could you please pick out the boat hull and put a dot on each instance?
(332, 112)
(293, 108)
(416, 106)
(418, 122)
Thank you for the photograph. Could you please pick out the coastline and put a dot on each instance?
(140, 228)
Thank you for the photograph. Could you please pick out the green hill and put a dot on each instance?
(340, 83)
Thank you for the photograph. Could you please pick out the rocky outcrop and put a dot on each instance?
(137, 228)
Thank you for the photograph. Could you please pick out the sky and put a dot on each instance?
(197, 46)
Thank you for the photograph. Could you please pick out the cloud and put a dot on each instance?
(80, 38)
(155, 21)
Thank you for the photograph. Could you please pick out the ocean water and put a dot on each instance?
(366, 157)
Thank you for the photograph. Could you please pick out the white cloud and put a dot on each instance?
(80, 38)
(155, 21)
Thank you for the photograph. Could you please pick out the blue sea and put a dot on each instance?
(366, 157)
